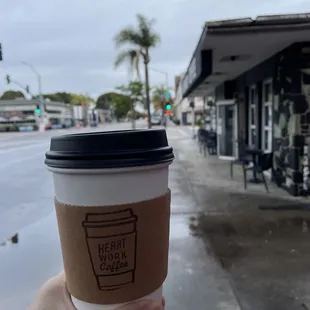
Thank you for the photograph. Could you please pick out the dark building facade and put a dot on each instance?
(262, 94)
(273, 100)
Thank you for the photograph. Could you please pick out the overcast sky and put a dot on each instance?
(70, 42)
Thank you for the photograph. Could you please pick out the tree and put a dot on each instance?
(69, 98)
(134, 90)
(59, 96)
(12, 94)
(104, 101)
(158, 96)
(133, 57)
(121, 104)
(140, 39)
(161, 97)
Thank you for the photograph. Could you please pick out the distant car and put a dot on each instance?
(155, 119)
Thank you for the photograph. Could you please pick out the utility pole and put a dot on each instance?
(166, 77)
(192, 105)
(41, 99)
(1, 57)
(132, 109)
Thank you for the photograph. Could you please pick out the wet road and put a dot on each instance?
(195, 280)
(25, 185)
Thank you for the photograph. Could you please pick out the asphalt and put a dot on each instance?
(195, 280)
(25, 185)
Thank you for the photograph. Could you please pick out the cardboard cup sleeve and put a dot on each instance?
(115, 254)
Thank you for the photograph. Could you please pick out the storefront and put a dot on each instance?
(259, 73)
(20, 114)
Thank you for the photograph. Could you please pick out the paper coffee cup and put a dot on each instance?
(124, 175)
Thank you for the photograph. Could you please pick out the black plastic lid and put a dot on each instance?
(109, 149)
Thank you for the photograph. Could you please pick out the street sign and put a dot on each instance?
(167, 95)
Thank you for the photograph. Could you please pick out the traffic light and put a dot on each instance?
(168, 106)
(1, 58)
(38, 110)
(8, 79)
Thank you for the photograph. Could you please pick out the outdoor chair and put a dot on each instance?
(264, 163)
(202, 136)
(211, 143)
(244, 159)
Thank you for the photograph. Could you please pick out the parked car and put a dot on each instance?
(155, 119)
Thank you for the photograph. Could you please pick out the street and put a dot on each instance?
(25, 185)
(194, 281)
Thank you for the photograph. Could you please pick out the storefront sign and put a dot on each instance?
(192, 71)
(190, 75)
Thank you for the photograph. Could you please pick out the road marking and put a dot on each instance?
(184, 132)
(24, 148)
(21, 159)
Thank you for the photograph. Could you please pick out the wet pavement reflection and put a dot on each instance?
(26, 265)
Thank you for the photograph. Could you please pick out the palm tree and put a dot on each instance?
(133, 56)
(140, 40)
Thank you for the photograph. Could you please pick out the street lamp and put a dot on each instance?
(166, 76)
(42, 126)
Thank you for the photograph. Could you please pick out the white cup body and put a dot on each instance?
(107, 187)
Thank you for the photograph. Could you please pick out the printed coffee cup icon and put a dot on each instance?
(111, 196)
(111, 240)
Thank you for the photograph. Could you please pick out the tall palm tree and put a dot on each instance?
(133, 57)
(140, 40)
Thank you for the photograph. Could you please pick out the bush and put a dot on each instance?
(13, 128)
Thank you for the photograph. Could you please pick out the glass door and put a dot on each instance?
(252, 115)
(267, 116)
(227, 130)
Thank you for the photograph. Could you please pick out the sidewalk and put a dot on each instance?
(264, 252)
(195, 280)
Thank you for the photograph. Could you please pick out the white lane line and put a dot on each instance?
(18, 143)
(23, 148)
(7, 164)
(183, 132)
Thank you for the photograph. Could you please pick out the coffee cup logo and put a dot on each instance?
(112, 241)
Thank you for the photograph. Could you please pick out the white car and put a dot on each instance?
(155, 119)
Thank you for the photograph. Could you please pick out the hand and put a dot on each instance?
(54, 295)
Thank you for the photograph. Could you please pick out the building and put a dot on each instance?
(182, 109)
(24, 114)
(259, 74)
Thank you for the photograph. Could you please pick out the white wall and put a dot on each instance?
(182, 105)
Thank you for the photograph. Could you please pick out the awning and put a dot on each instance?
(228, 48)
